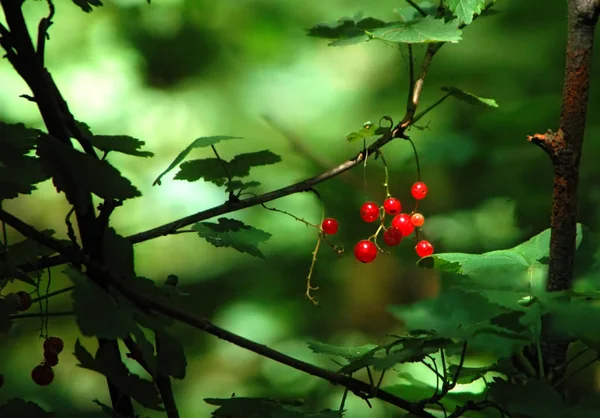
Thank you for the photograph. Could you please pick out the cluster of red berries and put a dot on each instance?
(42, 374)
(402, 225)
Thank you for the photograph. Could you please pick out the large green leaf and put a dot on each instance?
(465, 9)
(118, 254)
(264, 408)
(18, 171)
(469, 98)
(110, 365)
(171, 357)
(234, 234)
(120, 143)
(426, 30)
(520, 269)
(205, 141)
(96, 312)
(77, 173)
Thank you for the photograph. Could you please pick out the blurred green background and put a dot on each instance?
(176, 70)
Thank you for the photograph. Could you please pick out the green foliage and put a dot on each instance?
(17, 407)
(202, 142)
(118, 254)
(87, 5)
(18, 171)
(109, 364)
(171, 357)
(234, 234)
(367, 131)
(264, 408)
(465, 9)
(469, 98)
(120, 143)
(78, 174)
(96, 312)
(423, 30)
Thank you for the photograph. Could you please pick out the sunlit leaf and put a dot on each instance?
(469, 98)
(120, 143)
(426, 30)
(234, 234)
(202, 142)
(465, 9)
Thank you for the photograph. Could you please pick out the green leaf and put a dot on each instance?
(367, 131)
(426, 30)
(18, 171)
(467, 374)
(120, 143)
(77, 173)
(26, 252)
(109, 364)
(345, 28)
(469, 98)
(118, 254)
(171, 357)
(536, 398)
(519, 269)
(17, 407)
(264, 408)
(348, 353)
(465, 9)
(146, 349)
(202, 142)
(86, 5)
(234, 234)
(97, 313)
(409, 13)
(241, 164)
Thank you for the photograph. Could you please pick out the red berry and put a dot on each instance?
(54, 343)
(392, 206)
(424, 248)
(417, 219)
(42, 375)
(369, 212)
(392, 236)
(25, 301)
(403, 223)
(329, 226)
(419, 190)
(365, 251)
(50, 357)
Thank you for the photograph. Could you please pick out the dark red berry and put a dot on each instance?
(392, 206)
(392, 236)
(419, 190)
(417, 219)
(54, 343)
(403, 223)
(25, 301)
(369, 212)
(50, 357)
(42, 375)
(365, 251)
(424, 248)
(329, 226)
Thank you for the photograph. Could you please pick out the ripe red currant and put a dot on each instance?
(403, 223)
(54, 343)
(424, 248)
(329, 226)
(365, 251)
(419, 190)
(25, 301)
(392, 236)
(417, 219)
(42, 375)
(50, 357)
(369, 212)
(392, 206)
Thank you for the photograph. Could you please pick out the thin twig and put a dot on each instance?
(417, 8)
(43, 27)
(41, 314)
(56, 292)
(429, 108)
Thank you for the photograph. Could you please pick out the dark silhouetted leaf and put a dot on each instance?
(109, 364)
(118, 254)
(536, 398)
(264, 408)
(120, 143)
(345, 28)
(207, 169)
(87, 5)
(171, 357)
(78, 174)
(97, 313)
(241, 164)
(146, 350)
(16, 408)
(234, 234)
(469, 98)
(202, 142)
(240, 185)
